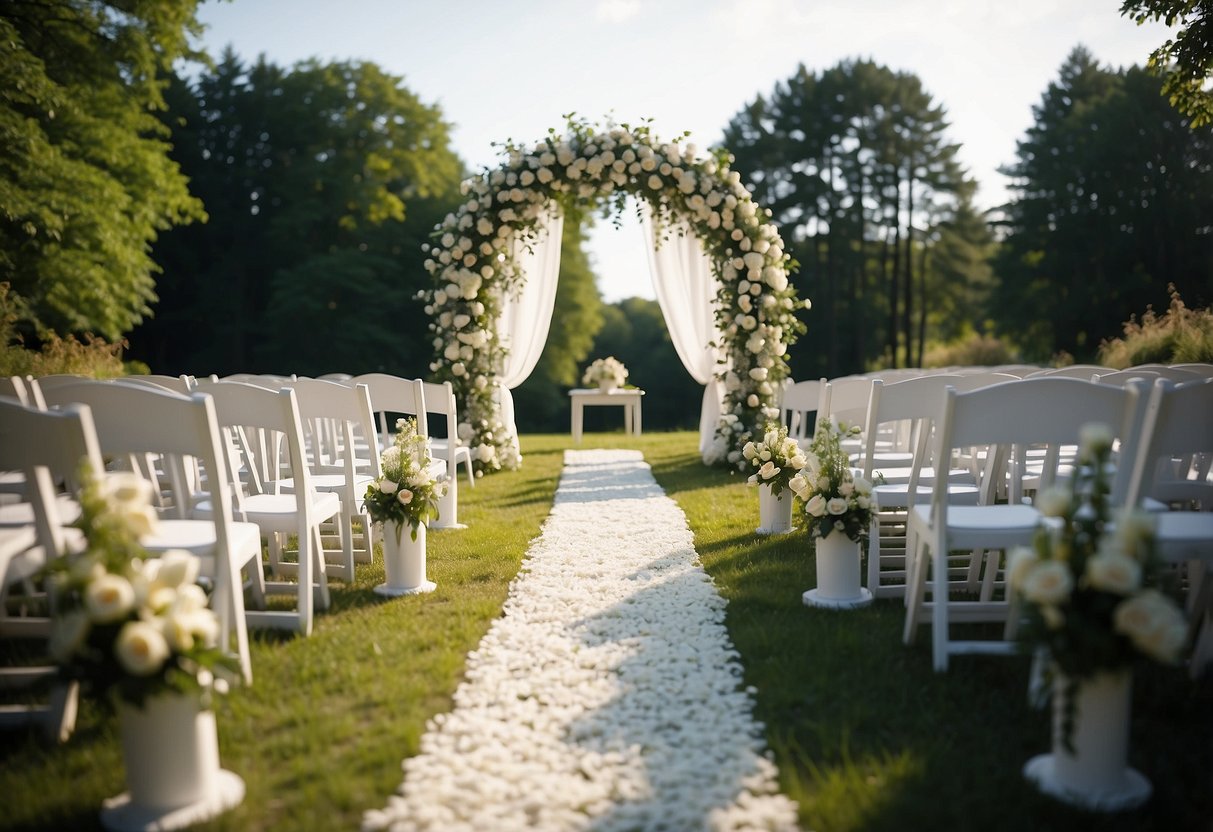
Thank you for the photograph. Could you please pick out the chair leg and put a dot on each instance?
(915, 589)
(467, 464)
(874, 555)
(939, 606)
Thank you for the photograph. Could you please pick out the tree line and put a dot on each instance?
(232, 216)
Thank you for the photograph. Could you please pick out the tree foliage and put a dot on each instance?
(86, 180)
(856, 166)
(1186, 61)
(1112, 200)
(322, 181)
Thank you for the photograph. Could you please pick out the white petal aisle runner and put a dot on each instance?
(608, 696)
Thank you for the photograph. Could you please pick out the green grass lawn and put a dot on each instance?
(866, 735)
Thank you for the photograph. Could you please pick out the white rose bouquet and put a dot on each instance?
(128, 625)
(776, 456)
(608, 369)
(836, 498)
(405, 493)
(1085, 582)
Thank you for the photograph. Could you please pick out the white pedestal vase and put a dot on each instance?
(448, 507)
(1097, 775)
(774, 513)
(837, 575)
(607, 386)
(170, 748)
(404, 562)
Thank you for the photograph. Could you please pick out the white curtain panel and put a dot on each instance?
(527, 315)
(686, 291)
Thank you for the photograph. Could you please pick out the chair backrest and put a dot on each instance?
(1014, 415)
(14, 387)
(799, 405)
(1079, 371)
(48, 446)
(335, 413)
(393, 394)
(845, 400)
(440, 399)
(182, 384)
(914, 400)
(1172, 458)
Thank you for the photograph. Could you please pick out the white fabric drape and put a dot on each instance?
(686, 291)
(526, 316)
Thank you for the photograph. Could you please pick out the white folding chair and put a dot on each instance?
(799, 407)
(137, 419)
(272, 417)
(1007, 418)
(440, 401)
(1171, 467)
(909, 404)
(49, 448)
(336, 415)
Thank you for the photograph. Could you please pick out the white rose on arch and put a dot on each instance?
(505, 203)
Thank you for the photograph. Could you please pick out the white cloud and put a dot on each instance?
(616, 11)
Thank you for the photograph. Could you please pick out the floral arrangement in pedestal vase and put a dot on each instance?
(609, 369)
(405, 493)
(776, 456)
(836, 498)
(472, 258)
(1085, 581)
(127, 625)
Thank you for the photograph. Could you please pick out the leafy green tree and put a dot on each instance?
(1112, 195)
(86, 179)
(322, 182)
(1185, 62)
(541, 401)
(856, 168)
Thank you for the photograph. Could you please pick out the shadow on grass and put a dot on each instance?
(868, 737)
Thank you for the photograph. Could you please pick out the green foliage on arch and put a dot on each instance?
(596, 169)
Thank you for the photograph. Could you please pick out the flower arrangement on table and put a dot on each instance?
(605, 371)
(776, 456)
(127, 625)
(405, 493)
(835, 498)
(1085, 582)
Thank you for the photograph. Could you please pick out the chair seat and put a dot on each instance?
(277, 512)
(1184, 535)
(926, 476)
(22, 514)
(993, 527)
(198, 538)
(897, 495)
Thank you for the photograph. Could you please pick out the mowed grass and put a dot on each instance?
(866, 735)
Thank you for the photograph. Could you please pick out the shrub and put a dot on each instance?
(91, 356)
(974, 350)
(1179, 335)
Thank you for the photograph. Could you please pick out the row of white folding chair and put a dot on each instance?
(1016, 414)
(134, 419)
(334, 415)
(48, 448)
(913, 403)
(263, 436)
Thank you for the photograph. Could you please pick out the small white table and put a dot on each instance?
(628, 399)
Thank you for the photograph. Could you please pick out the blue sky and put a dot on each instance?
(502, 69)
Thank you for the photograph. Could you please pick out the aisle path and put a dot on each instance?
(608, 696)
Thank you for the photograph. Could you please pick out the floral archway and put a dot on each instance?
(475, 263)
